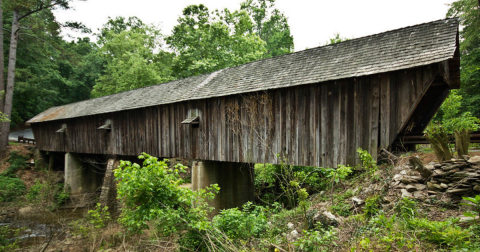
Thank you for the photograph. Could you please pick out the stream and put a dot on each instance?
(38, 225)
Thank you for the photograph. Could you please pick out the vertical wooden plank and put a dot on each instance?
(336, 123)
(324, 118)
(288, 137)
(318, 118)
(300, 129)
(311, 125)
(343, 123)
(393, 105)
(385, 140)
(374, 116)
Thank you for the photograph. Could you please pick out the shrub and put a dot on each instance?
(99, 216)
(440, 232)
(368, 163)
(236, 224)
(317, 240)
(372, 206)
(10, 188)
(152, 193)
(407, 208)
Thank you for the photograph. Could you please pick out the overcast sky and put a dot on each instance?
(312, 23)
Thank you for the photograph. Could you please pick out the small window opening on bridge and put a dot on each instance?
(63, 129)
(107, 126)
(194, 121)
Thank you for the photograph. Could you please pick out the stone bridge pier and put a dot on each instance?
(236, 182)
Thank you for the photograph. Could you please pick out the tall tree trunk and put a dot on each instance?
(12, 59)
(2, 60)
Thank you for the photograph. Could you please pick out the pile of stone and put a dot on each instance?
(454, 178)
(457, 177)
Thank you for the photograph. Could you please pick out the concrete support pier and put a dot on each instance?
(80, 178)
(236, 182)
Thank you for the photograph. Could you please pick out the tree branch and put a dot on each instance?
(40, 8)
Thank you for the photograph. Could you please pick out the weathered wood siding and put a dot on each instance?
(317, 125)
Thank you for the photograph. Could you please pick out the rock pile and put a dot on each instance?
(456, 178)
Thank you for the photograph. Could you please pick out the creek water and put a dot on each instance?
(36, 226)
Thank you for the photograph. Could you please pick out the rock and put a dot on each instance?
(403, 172)
(474, 160)
(442, 180)
(408, 180)
(417, 178)
(433, 187)
(397, 177)
(294, 234)
(437, 165)
(290, 225)
(357, 201)
(457, 191)
(430, 167)
(419, 194)
(477, 188)
(444, 186)
(418, 166)
(410, 188)
(406, 194)
(420, 187)
(326, 219)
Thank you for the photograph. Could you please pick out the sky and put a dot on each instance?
(312, 23)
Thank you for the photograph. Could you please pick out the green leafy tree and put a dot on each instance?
(271, 25)
(133, 55)
(336, 39)
(205, 42)
(151, 193)
(21, 10)
(468, 11)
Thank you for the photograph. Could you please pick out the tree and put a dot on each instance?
(21, 9)
(205, 43)
(271, 25)
(134, 57)
(468, 11)
(336, 39)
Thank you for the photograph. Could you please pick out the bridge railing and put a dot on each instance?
(22, 139)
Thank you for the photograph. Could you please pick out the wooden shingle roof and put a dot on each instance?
(403, 48)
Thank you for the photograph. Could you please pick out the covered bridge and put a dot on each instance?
(314, 107)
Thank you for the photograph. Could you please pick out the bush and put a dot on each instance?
(10, 188)
(372, 206)
(236, 224)
(152, 193)
(99, 216)
(368, 163)
(314, 240)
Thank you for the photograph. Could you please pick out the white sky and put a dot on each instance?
(312, 23)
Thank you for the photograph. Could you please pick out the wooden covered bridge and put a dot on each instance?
(314, 107)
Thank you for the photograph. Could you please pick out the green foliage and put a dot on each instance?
(467, 10)
(452, 119)
(341, 208)
(16, 162)
(440, 232)
(280, 183)
(368, 163)
(61, 195)
(99, 217)
(336, 39)
(133, 55)
(407, 208)
(205, 42)
(6, 244)
(270, 25)
(341, 173)
(372, 206)
(475, 213)
(10, 188)
(152, 194)
(250, 222)
(317, 240)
